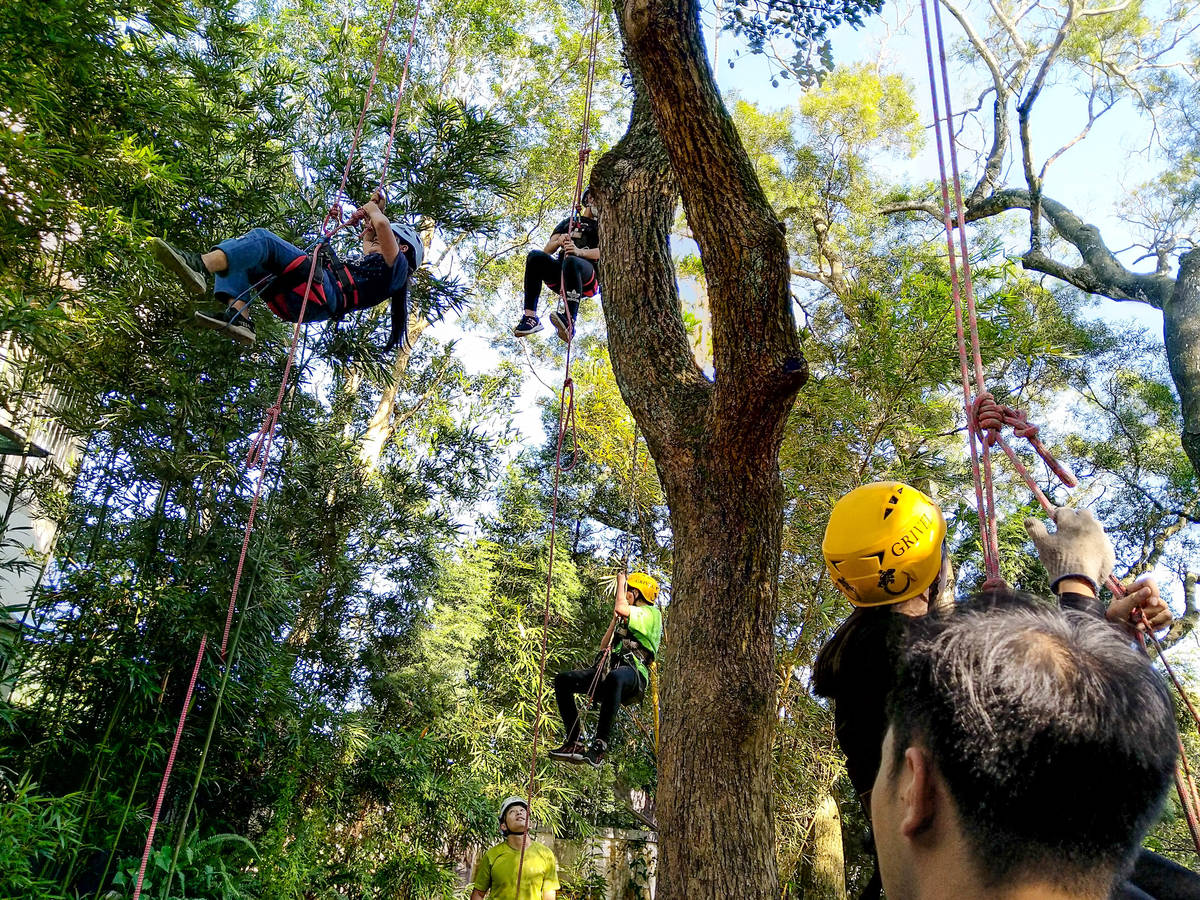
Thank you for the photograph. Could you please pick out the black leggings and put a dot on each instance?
(542, 268)
(622, 686)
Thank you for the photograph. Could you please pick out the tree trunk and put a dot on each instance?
(824, 872)
(382, 425)
(1181, 334)
(715, 443)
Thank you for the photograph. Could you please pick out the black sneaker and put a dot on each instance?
(570, 751)
(528, 325)
(188, 267)
(237, 325)
(594, 756)
(559, 321)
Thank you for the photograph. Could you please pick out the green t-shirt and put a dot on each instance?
(645, 623)
(496, 872)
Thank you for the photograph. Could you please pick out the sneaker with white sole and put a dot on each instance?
(185, 265)
(237, 325)
(559, 321)
(528, 325)
(594, 756)
(570, 751)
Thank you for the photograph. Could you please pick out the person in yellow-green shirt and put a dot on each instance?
(634, 636)
(496, 871)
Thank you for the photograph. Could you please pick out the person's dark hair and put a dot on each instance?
(1055, 736)
(830, 665)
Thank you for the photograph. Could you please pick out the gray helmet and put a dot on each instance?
(406, 234)
(509, 804)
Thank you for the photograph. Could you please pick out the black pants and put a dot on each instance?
(542, 268)
(621, 686)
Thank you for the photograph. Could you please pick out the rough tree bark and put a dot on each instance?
(715, 443)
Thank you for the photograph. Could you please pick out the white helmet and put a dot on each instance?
(406, 234)
(509, 804)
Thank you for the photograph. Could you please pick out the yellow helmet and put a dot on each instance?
(645, 585)
(883, 543)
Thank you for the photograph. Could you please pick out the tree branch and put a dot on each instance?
(1101, 272)
(756, 351)
(1185, 624)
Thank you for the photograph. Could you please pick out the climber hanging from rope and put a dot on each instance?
(620, 676)
(262, 262)
(884, 548)
(571, 272)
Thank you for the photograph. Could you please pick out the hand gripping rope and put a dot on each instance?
(985, 417)
(566, 415)
(260, 448)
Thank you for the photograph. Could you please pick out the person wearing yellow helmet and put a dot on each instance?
(634, 636)
(884, 549)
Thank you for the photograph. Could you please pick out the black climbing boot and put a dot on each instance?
(185, 265)
(237, 325)
(528, 325)
(570, 751)
(594, 756)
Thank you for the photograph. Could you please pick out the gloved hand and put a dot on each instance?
(1079, 547)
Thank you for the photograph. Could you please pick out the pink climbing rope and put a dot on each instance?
(566, 414)
(162, 788)
(985, 417)
(259, 454)
(981, 467)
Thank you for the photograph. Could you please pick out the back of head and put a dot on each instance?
(1055, 737)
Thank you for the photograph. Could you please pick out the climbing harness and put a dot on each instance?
(260, 448)
(290, 290)
(985, 417)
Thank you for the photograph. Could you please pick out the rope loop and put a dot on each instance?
(568, 393)
(335, 216)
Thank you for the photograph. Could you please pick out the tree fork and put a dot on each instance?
(715, 444)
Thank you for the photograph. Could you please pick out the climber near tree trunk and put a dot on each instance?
(576, 241)
(261, 261)
(884, 549)
(620, 676)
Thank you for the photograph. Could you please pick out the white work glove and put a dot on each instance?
(1078, 548)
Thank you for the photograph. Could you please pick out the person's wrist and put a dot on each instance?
(1075, 584)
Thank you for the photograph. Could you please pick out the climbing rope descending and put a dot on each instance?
(259, 454)
(566, 417)
(985, 417)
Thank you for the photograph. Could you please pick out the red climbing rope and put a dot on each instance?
(260, 448)
(566, 417)
(985, 417)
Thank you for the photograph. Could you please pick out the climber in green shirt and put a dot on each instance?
(634, 637)
(496, 871)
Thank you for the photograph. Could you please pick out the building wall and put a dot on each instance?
(28, 407)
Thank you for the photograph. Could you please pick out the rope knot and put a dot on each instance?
(987, 418)
(994, 584)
